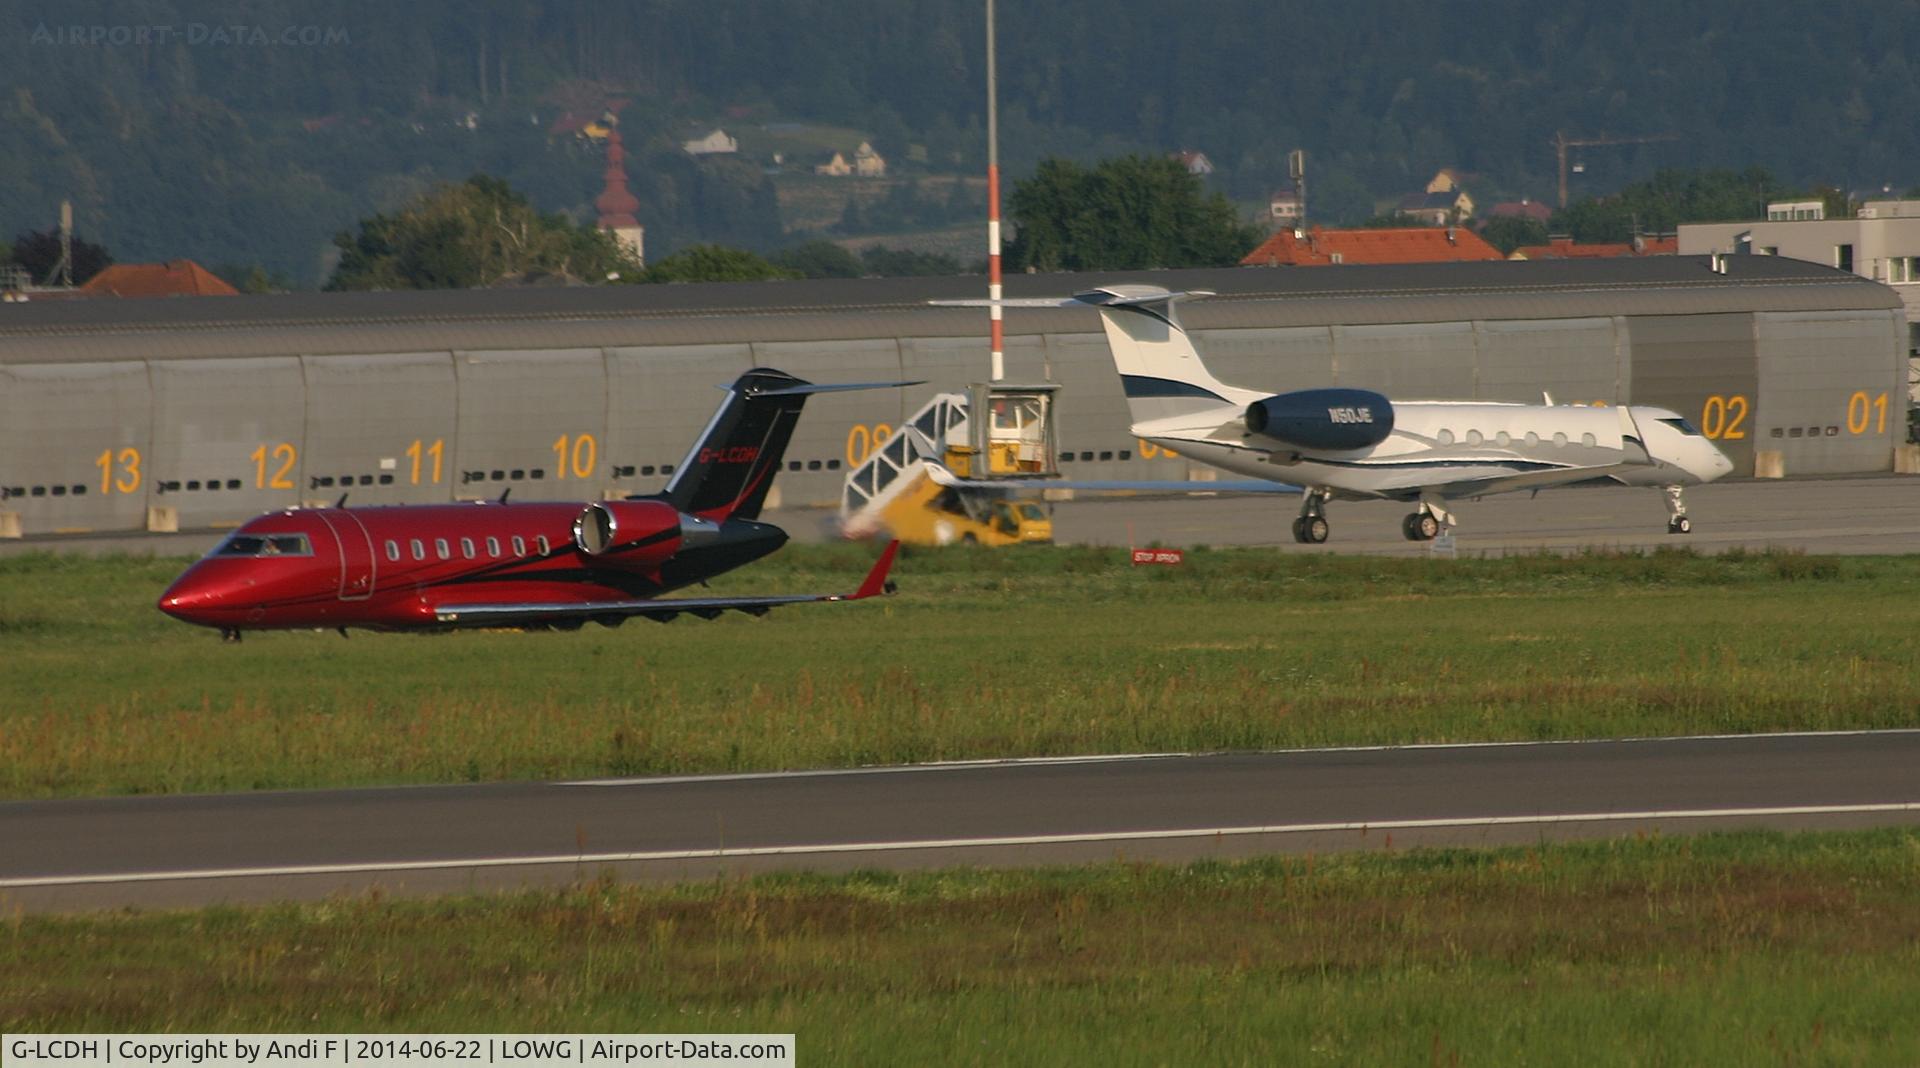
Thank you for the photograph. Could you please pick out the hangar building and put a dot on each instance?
(194, 414)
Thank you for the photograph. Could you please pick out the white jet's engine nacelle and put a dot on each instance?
(1325, 420)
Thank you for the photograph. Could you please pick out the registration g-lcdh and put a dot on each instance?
(393, 1051)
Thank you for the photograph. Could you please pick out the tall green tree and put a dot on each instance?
(1509, 232)
(819, 259)
(903, 262)
(715, 263)
(39, 252)
(1666, 200)
(477, 233)
(1128, 213)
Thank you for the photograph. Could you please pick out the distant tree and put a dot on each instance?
(259, 279)
(39, 252)
(1337, 197)
(1837, 202)
(963, 203)
(1595, 220)
(890, 134)
(253, 278)
(1044, 209)
(853, 219)
(715, 263)
(1125, 213)
(472, 234)
(1509, 232)
(905, 263)
(1666, 200)
(819, 259)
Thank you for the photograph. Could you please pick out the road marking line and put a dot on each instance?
(1107, 758)
(881, 769)
(726, 853)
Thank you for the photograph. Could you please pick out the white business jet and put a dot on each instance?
(1355, 444)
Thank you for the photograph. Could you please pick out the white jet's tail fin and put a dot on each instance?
(1160, 371)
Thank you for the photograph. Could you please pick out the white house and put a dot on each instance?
(714, 143)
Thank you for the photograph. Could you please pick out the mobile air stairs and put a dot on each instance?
(892, 491)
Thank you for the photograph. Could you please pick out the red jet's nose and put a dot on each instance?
(192, 598)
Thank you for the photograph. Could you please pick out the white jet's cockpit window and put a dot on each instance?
(1684, 427)
(265, 545)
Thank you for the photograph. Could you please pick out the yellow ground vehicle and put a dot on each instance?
(930, 515)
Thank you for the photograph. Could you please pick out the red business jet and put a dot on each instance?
(531, 566)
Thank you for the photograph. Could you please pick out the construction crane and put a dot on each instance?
(1561, 142)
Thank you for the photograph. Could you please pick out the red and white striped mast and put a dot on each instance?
(993, 210)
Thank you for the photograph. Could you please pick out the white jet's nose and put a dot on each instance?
(1715, 464)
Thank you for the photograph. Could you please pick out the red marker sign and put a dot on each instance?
(1158, 556)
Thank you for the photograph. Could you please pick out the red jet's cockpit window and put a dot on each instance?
(265, 545)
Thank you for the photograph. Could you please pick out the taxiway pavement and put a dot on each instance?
(1846, 515)
(194, 850)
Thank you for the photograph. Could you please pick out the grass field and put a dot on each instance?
(983, 654)
(1724, 949)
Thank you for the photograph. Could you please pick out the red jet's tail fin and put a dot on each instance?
(729, 470)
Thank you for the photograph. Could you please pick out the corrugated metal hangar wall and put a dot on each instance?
(128, 415)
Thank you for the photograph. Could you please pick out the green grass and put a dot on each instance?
(1725, 949)
(983, 654)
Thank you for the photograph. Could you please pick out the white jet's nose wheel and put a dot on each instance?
(1677, 521)
(1420, 526)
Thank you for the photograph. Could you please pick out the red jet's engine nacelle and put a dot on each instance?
(628, 534)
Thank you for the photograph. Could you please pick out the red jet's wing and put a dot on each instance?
(662, 610)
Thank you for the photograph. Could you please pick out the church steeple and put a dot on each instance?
(617, 204)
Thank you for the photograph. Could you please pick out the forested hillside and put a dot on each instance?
(256, 148)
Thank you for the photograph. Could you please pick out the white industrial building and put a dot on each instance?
(1881, 243)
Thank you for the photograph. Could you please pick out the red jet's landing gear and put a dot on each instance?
(1310, 528)
(1677, 521)
(230, 634)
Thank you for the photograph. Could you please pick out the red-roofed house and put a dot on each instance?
(1565, 248)
(1412, 244)
(1521, 209)
(175, 278)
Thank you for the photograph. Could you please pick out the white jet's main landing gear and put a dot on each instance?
(1426, 523)
(1310, 527)
(1677, 521)
(1420, 526)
